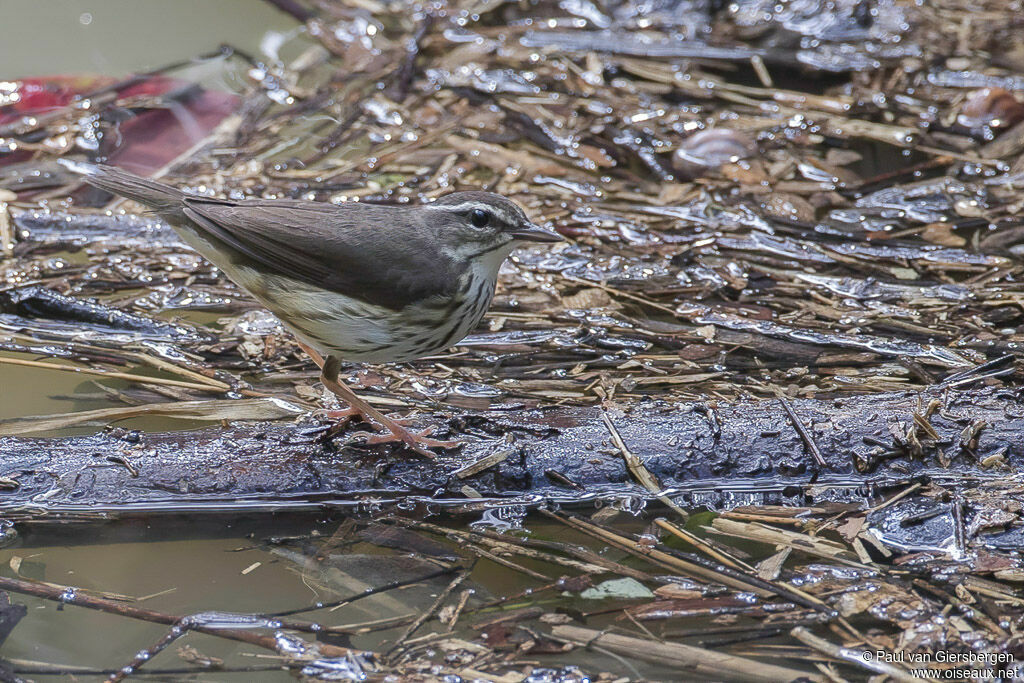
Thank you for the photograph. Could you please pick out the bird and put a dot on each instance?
(359, 282)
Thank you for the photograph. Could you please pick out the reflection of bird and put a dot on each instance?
(355, 281)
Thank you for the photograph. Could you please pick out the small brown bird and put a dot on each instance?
(356, 281)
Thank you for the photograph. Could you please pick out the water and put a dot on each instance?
(114, 38)
(200, 573)
(221, 575)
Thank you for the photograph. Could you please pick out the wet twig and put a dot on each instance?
(805, 435)
(70, 596)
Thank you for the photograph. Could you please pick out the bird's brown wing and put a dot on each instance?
(378, 254)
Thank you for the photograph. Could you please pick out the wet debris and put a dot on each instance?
(817, 208)
(34, 302)
(709, 150)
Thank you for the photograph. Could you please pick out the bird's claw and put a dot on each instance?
(345, 415)
(416, 441)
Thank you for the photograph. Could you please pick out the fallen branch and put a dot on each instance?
(559, 454)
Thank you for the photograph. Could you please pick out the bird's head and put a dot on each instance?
(485, 226)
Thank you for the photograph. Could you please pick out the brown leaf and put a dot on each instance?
(670, 591)
(789, 206)
(591, 297)
(851, 528)
(942, 233)
(746, 172)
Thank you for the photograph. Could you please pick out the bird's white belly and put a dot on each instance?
(352, 329)
(333, 323)
(355, 330)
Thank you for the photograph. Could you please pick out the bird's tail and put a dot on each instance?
(164, 199)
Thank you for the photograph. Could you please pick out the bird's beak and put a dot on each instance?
(535, 233)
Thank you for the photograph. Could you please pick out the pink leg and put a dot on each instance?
(416, 441)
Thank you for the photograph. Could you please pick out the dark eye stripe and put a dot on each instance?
(488, 249)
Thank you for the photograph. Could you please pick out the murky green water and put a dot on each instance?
(117, 37)
(238, 566)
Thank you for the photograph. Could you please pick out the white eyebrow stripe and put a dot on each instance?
(462, 206)
(503, 215)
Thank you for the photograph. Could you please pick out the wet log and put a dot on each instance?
(38, 228)
(34, 302)
(699, 453)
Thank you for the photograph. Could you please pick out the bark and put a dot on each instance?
(701, 453)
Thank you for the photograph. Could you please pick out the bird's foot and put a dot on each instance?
(346, 415)
(339, 419)
(417, 441)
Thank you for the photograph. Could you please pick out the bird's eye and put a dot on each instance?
(479, 218)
